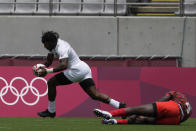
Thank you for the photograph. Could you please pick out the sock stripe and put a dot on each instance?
(122, 121)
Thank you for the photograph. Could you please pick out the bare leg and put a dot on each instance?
(141, 120)
(133, 119)
(50, 112)
(88, 86)
(96, 95)
(52, 83)
(144, 110)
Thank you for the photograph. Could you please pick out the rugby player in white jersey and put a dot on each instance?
(71, 69)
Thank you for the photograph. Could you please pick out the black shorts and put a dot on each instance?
(87, 83)
(62, 79)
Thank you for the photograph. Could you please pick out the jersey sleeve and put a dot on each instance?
(63, 53)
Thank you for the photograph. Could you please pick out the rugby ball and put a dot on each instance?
(37, 69)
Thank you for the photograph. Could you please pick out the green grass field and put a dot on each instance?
(83, 124)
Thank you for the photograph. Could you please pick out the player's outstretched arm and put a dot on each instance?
(49, 59)
(62, 66)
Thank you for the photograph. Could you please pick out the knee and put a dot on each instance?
(132, 118)
(95, 96)
(51, 82)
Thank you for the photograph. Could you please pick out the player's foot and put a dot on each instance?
(103, 114)
(46, 113)
(110, 121)
(122, 105)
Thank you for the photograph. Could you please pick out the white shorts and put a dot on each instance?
(78, 72)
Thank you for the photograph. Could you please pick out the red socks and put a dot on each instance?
(122, 121)
(118, 112)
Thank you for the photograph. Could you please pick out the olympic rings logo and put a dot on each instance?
(23, 92)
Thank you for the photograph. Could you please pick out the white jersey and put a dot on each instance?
(77, 70)
(64, 50)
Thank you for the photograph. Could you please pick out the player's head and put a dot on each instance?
(49, 39)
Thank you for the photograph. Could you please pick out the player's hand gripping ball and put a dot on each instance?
(39, 70)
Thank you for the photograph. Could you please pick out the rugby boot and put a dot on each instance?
(103, 114)
(46, 113)
(110, 121)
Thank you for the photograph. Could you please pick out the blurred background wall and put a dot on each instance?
(96, 36)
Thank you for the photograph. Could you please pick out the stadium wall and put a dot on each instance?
(103, 36)
(88, 36)
(189, 48)
(23, 95)
(150, 36)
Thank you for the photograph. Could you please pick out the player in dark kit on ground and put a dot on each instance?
(172, 109)
(76, 71)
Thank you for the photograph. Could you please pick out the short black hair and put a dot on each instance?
(49, 36)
